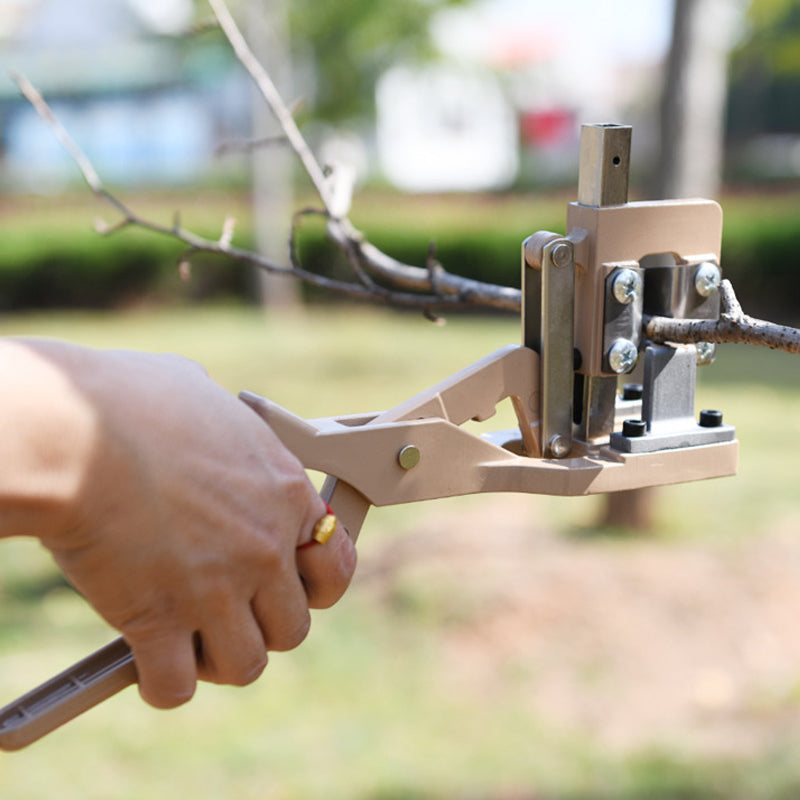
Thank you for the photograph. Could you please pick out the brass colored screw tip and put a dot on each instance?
(324, 529)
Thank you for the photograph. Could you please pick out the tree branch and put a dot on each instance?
(732, 326)
(361, 289)
(377, 277)
(361, 253)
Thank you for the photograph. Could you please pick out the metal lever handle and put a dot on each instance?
(62, 698)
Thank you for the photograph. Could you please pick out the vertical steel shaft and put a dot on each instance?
(603, 177)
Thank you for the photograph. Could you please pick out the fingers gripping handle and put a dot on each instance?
(85, 684)
(110, 669)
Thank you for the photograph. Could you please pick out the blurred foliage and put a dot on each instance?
(340, 49)
(348, 44)
(765, 71)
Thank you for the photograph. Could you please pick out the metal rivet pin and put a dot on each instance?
(408, 457)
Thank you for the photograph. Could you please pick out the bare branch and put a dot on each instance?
(34, 97)
(365, 290)
(733, 326)
(363, 256)
(377, 276)
(400, 284)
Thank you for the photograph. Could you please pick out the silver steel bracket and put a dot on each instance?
(668, 416)
(689, 291)
(548, 328)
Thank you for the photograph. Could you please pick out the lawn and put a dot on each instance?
(484, 650)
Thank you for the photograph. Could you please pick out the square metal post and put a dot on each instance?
(603, 178)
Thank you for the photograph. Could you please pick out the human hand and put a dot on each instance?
(186, 520)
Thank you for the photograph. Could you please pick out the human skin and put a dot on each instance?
(169, 505)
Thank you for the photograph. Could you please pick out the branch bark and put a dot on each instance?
(732, 326)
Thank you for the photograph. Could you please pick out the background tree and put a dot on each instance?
(338, 50)
(765, 72)
(691, 151)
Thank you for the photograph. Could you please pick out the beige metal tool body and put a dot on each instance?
(584, 297)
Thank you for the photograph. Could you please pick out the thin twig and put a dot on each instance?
(269, 92)
(248, 145)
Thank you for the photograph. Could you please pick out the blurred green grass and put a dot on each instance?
(364, 711)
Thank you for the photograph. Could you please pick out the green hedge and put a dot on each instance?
(67, 268)
(77, 269)
(762, 259)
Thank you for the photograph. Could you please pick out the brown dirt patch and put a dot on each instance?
(632, 641)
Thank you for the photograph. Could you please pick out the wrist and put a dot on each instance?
(47, 435)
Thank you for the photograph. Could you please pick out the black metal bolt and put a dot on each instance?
(632, 391)
(634, 428)
(709, 418)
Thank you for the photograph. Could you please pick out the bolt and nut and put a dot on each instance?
(622, 356)
(561, 255)
(632, 391)
(710, 418)
(707, 279)
(627, 286)
(634, 428)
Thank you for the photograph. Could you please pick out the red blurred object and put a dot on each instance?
(547, 127)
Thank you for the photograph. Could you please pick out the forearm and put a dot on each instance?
(47, 434)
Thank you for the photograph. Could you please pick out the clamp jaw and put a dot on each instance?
(583, 296)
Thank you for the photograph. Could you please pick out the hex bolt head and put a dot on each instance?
(634, 428)
(709, 418)
(561, 255)
(632, 391)
(627, 286)
(408, 457)
(706, 353)
(558, 446)
(622, 356)
(707, 279)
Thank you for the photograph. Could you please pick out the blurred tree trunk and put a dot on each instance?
(694, 97)
(267, 25)
(691, 155)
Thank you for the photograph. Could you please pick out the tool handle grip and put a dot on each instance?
(62, 698)
(110, 669)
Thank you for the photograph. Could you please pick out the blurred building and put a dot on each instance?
(445, 128)
(504, 104)
(146, 105)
